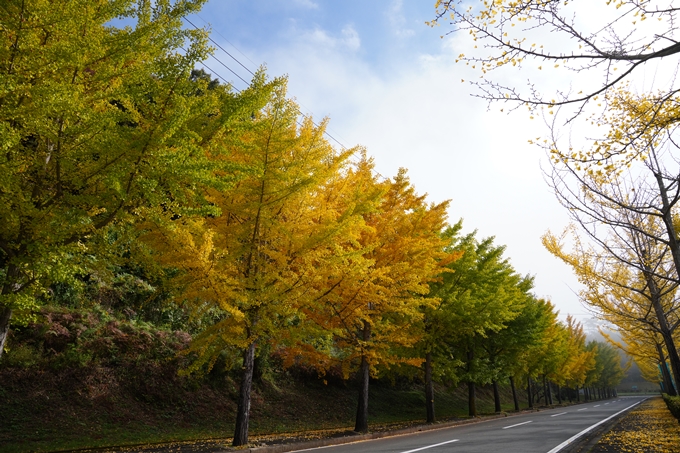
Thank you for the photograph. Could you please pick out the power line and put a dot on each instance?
(225, 38)
(230, 70)
(223, 50)
(251, 72)
(218, 75)
(215, 72)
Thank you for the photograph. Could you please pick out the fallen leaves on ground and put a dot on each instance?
(650, 428)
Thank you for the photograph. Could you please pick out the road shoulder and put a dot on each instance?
(647, 428)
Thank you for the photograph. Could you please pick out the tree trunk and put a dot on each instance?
(653, 289)
(10, 285)
(672, 354)
(578, 395)
(559, 395)
(496, 397)
(548, 392)
(530, 396)
(668, 383)
(361, 425)
(514, 393)
(5, 317)
(472, 397)
(429, 389)
(243, 411)
(472, 400)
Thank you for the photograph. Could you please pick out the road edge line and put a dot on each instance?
(590, 428)
(432, 446)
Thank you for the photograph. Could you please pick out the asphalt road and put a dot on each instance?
(549, 431)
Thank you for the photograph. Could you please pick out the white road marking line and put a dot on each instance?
(431, 446)
(606, 404)
(585, 408)
(576, 436)
(518, 424)
(557, 415)
(597, 405)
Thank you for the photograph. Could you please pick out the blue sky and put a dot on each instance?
(390, 83)
(389, 32)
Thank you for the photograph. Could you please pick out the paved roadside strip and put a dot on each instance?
(295, 445)
(325, 442)
(583, 441)
(316, 443)
(483, 434)
(650, 427)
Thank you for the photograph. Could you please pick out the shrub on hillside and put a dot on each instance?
(673, 403)
(66, 338)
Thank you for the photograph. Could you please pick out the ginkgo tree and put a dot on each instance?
(97, 123)
(258, 261)
(611, 372)
(598, 46)
(537, 358)
(572, 370)
(373, 310)
(480, 295)
(629, 281)
(646, 348)
(507, 350)
(524, 334)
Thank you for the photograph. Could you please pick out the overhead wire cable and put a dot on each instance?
(212, 54)
(225, 38)
(228, 68)
(218, 75)
(223, 50)
(215, 72)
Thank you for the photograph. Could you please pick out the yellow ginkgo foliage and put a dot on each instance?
(628, 281)
(372, 310)
(251, 268)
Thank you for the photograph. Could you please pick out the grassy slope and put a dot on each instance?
(87, 379)
(93, 407)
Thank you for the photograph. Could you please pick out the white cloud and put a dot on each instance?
(422, 118)
(351, 37)
(397, 20)
(318, 39)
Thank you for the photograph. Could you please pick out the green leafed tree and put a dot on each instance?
(480, 295)
(98, 123)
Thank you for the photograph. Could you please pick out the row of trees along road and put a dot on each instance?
(267, 237)
(621, 187)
